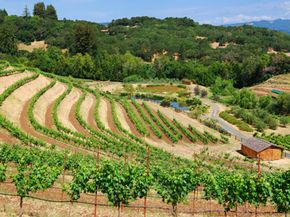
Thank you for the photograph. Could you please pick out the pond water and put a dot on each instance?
(173, 104)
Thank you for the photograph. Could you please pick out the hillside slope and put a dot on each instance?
(282, 25)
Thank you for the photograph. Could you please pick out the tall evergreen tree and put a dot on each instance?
(39, 9)
(51, 12)
(26, 12)
(3, 14)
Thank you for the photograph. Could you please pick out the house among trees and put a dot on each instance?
(258, 148)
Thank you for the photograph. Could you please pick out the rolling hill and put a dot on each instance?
(282, 25)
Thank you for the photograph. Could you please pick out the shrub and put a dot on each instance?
(203, 93)
(231, 119)
(196, 90)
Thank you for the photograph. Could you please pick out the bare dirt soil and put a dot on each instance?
(105, 86)
(279, 82)
(86, 106)
(13, 105)
(7, 81)
(33, 46)
(66, 106)
(111, 122)
(103, 112)
(7, 138)
(46, 100)
(122, 117)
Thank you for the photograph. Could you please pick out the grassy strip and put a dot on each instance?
(210, 137)
(239, 123)
(224, 139)
(198, 134)
(139, 124)
(172, 137)
(156, 131)
(186, 132)
(169, 125)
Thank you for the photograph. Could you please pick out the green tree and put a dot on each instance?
(3, 14)
(283, 103)
(39, 10)
(50, 12)
(8, 42)
(81, 66)
(84, 39)
(246, 99)
(26, 12)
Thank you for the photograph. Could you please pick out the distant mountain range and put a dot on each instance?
(279, 24)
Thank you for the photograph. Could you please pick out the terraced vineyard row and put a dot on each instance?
(173, 178)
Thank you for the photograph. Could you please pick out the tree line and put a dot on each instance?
(144, 47)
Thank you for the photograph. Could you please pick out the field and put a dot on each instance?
(163, 89)
(71, 139)
(280, 82)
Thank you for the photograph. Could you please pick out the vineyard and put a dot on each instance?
(65, 142)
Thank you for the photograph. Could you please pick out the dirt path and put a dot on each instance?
(86, 107)
(26, 127)
(7, 81)
(48, 116)
(13, 105)
(103, 112)
(45, 101)
(73, 120)
(91, 116)
(6, 138)
(111, 122)
(121, 117)
(65, 108)
(164, 138)
(152, 135)
(126, 118)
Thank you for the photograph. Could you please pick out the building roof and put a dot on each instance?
(258, 145)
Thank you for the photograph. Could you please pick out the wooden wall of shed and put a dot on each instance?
(249, 152)
(271, 154)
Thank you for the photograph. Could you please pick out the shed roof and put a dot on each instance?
(258, 145)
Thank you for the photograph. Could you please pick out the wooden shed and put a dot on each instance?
(258, 148)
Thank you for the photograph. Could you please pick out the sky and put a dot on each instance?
(216, 12)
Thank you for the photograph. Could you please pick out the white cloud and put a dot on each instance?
(286, 6)
(241, 18)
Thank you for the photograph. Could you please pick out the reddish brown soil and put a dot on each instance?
(5, 137)
(111, 122)
(91, 117)
(26, 126)
(164, 137)
(48, 116)
(130, 123)
(75, 123)
(152, 134)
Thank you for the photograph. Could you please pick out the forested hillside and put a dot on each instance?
(144, 48)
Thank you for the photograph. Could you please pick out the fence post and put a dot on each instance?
(96, 194)
(193, 203)
(63, 174)
(147, 173)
